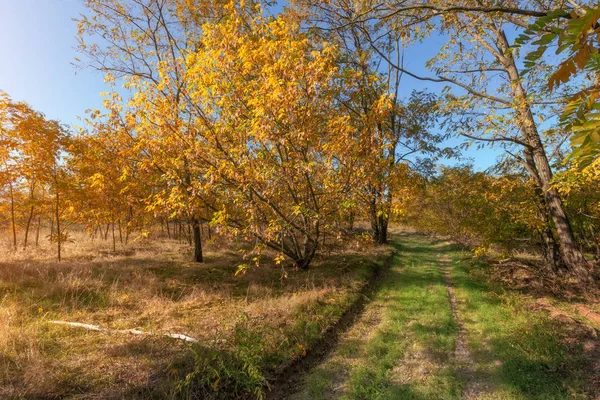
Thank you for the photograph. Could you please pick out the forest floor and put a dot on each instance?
(248, 327)
(439, 328)
(429, 322)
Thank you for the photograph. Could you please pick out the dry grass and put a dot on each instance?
(150, 286)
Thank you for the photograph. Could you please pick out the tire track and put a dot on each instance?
(285, 382)
(472, 387)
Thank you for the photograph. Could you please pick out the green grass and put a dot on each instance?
(521, 353)
(251, 326)
(407, 355)
(403, 347)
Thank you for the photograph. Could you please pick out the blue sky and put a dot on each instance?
(37, 41)
(37, 46)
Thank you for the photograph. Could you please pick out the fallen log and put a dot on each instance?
(129, 331)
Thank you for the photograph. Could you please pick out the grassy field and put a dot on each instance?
(248, 326)
(435, 326)
(498, 344)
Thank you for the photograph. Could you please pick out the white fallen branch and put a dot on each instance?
(130, 331)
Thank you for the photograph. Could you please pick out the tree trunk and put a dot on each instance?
(12, 215)
(310, 249)
(197, 240)
(570, 254)
(550, 249)
(127, 226)
(379, 221)
(37, 232)
(114, 241)
(58, 234)
(373, 217)
(383, 228)
(188, 233)
(27, 227)
(350, 221)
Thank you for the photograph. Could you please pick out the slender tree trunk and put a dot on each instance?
(127, 227)
(168, 229)
(120, 232)
(379, 221)
(58, 234)
(373, 216)
(571, 255)
(12, 215)
(197, 240)
(351, 221)
(37, 232)
(114, 242)
(383, 228)
(27, 227)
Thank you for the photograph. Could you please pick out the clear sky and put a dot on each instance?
(37, 46)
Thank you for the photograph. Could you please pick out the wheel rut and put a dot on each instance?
(472, 386)
(285, 382)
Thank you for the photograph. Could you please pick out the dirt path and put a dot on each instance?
(382, 350)
(435, 330)
(472, 386)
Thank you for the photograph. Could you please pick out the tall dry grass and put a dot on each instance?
(150, 285)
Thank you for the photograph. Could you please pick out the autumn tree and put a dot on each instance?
(480, 209)
(240, 115)
(393, 134)
(579, 186)
(491, 100)
(32, 161)
(574, 30)
(110, 189)
(143, 44)
(276, 143)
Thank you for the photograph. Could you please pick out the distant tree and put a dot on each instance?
(33, 160)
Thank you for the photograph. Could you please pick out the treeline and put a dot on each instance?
(487, 210)
(279, 126)
(249, 125)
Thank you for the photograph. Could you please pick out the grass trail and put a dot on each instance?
(410, 345)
